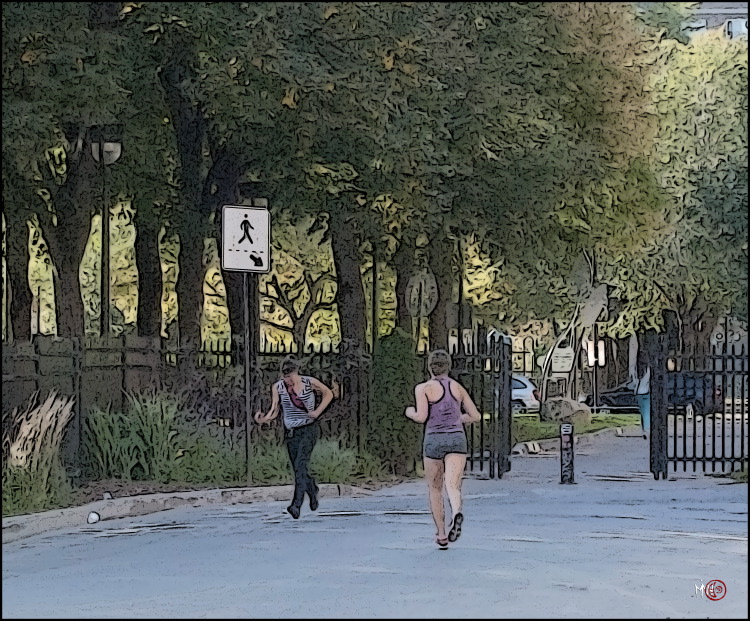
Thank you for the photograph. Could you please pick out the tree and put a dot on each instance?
(701, 159)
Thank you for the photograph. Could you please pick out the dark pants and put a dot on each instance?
(300, 443)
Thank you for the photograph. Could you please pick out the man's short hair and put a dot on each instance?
(289, 365)
(439, 362)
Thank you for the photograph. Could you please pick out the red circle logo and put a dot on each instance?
(715, 590)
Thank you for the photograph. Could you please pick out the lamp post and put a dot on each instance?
(106, 149)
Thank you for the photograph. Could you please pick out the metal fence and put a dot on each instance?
(100, 372)
(699, 408)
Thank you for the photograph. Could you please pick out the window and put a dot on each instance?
(518, 385)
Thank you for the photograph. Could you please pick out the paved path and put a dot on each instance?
(616, 544)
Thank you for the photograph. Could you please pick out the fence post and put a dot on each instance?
(655, 345)
(505, 419)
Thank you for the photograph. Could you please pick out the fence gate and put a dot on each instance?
(483, 365)
(699, 407)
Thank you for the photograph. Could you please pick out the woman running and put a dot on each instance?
(444, 406)
(296, 394)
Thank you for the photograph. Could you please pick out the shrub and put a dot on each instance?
(391, 437)
(333, 463)
(270, 464)
(137, 444)
(207, 459)
(33, 477)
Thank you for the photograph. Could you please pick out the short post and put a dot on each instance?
(566, 454)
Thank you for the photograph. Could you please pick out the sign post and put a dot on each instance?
(246, 247)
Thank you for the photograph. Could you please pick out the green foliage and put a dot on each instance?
(269, 464)
(391, 437)
(525, 430)
(332, 463)
(33, 477)
(152, 441)
(36, 488)
(701, 157)
(667, 17)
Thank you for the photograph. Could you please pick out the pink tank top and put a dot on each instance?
(444, 416)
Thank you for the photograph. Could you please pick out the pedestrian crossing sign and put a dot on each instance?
(246, 237)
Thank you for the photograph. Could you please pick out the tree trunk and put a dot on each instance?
(190, 131)
(76, 203)
(225, 175)
(621, 360)
(697, 326)
(190, 280)
(404, 263)
(441, 261)
(346, 259)
(149, 274)
(19, 300)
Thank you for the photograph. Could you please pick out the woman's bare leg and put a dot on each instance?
(454, 473)
(433, 470)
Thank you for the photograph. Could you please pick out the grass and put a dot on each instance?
(739, 475)
(529, 430)
(331, 462)
(33, 477)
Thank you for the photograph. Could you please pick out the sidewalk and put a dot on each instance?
(22, 526)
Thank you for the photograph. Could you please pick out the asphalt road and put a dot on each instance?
(616, 544)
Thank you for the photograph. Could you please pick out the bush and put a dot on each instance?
(208, 459)
(152, 440)
(333, 463)
(159, 438)
(33, 475)
(270, 464)
(391, 437)
(138, 444)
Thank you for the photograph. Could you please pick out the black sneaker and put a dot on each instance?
(293, 511)
(455, 531)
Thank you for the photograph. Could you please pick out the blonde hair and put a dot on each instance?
(439, 362)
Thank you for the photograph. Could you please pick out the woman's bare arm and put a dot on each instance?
(420, 413)
(471, 413)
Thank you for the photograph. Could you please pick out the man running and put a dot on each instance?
(445, 406)
(296, 394)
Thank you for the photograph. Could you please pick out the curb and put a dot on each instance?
(551, 444)
(23, 526)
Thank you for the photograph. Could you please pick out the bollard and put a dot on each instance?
(566, 454)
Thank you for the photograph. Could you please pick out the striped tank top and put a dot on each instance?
(293, 415)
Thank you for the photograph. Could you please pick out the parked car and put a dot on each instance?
(524, 395)
(621, 399)
(691, 392)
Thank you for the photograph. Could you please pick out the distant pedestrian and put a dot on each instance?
(444, 406)
(643, 396)
(294, 394)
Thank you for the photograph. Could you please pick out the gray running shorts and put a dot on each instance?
(438, 445)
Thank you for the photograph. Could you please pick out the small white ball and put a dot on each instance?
(93, 517)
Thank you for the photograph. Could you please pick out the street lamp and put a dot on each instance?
(106, 148)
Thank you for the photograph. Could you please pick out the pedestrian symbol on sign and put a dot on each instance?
(246, 226)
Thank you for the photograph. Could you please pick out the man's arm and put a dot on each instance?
(327, 397)
(261, 418)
